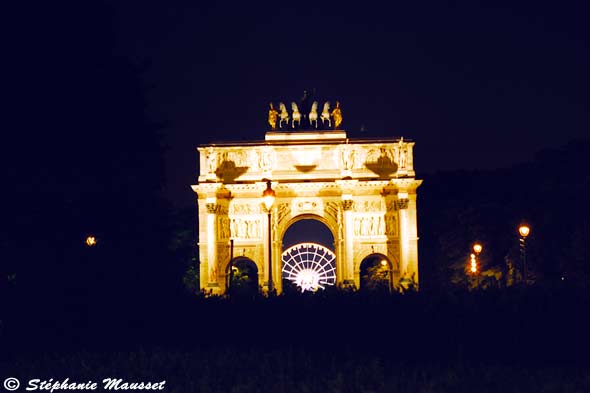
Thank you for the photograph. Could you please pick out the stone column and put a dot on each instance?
(401, 204)
(212, 265)
(348, 188)
(348, 274)
(277, 274)
(412, 237)
(339, 247)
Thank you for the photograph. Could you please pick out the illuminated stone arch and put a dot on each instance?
(240, 264)
(384, 267)
(364, 191)
(329, 221)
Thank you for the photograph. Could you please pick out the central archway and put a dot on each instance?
(308, 262)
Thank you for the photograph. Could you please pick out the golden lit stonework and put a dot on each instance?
(364, 191)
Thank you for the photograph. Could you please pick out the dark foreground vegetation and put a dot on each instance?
(511, 340)
(295, 370)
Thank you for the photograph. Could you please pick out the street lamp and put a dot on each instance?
(523, 230)
(477, 248)
(474, 268)
(385, 265)
(90, 241)
(268, 196)
(231, 267)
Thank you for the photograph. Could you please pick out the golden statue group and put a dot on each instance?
(281, 117)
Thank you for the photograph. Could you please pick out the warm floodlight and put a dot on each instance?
(383, 262)
(91, 241)
(524, 230)
(268, 196)
(477, 248)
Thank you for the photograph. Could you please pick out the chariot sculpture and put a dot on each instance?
(300, 119)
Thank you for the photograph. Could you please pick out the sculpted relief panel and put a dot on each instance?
(245, 208)
(305, 205)
(376, 225)
(368, 226)
(369, 206)
(352, 158)
(246, 228)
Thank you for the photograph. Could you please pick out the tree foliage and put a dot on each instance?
(459, 208)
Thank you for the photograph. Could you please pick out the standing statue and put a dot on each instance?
(403, 154)
(313, 114)
(284, 115)
(337, 115)
(347, 157)
(211, 160)
(273, 115)
(325, 116)
(296, 115)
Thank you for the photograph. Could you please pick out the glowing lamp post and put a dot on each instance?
(523, 230)
(268, 197)
(473, 261)
(477, 248)
(90, 241)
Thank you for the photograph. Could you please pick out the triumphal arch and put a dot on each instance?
(363, 190)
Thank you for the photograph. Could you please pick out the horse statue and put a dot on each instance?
(325, 116)
(284, 115)
(337, 115)
(296, 115)
(313, 114)
(272, 117)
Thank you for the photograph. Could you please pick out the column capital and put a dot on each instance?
(401, 204)
(347, 204)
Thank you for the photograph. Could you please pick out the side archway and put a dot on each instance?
(242, 277)
(376, 273)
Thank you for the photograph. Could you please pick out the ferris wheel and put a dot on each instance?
(310, 266)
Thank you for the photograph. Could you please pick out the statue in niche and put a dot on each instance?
(402, 151)
(296, 115)
(325, 116)
(347, 157)
(213, 274)
(390, 224)
(284, 115)
(313, 114)
(211, 160)
(265, 160)
(273, 115)
(223, 225)
(337, 115)
(234, 228)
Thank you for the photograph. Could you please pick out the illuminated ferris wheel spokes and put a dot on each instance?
(310, 266)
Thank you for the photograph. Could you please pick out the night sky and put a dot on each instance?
(474, 85)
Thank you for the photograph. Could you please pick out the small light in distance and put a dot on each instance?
(91, 241)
